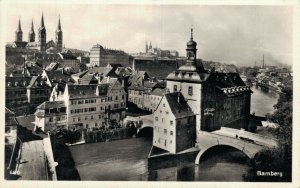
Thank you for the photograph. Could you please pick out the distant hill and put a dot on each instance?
(162, 68)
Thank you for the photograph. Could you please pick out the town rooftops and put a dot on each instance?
(178, 105)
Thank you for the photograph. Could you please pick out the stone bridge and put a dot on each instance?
(140, 122)
(248, 143)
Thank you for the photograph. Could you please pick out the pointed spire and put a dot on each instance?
(32, 28)
(59, 26)
(19, 26)
(192, 32)
(42, 21)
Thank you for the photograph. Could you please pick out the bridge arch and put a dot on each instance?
(208, 148)
(145, 131)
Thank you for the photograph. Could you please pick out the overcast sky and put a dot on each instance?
(230, 34)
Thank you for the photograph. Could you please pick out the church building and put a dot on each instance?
(41, 44)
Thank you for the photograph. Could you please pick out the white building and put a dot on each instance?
(174, 124)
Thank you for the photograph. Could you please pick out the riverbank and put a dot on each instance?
(65, 169)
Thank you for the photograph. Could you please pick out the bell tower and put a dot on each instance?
(191, 50)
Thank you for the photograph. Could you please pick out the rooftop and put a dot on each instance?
(178, 105)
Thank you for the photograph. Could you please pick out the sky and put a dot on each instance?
(237, 35)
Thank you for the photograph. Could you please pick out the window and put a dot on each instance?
(164, 105)
(165, 131)
(171, 122)
(171, 132)
(167, 112)
(116, 98)
(190, 91)
(156, 118)
(92, 117)
(50, 119)
(175, 88)
(85, 118)
(73, 119)
(79, 119)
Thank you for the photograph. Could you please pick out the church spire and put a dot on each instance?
(19, 33)
(42, 21)
(59, 35)
(192, 32)
(31, 35)
(19, 29)
(32, 29)
(42, 35)
(59, 26)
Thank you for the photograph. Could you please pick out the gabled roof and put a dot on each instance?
(37, 82)
(178, 105)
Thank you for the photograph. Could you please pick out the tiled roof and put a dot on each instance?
(17, 82)
(178, 105)
(51, 104)
(87, 79)
(37, 81)
(80, 74)
(87, 91)
(35, 70)
(58, 76)
(159, 91)
(226, 80)
(10, 118)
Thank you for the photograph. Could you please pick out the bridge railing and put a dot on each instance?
(257, 138)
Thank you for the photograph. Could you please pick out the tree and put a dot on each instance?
(279, 159)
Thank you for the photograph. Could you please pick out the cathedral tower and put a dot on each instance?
(31, 35)
(19, 33)
(42, 35)
(59, 36)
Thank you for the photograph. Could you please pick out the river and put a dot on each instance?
(126, 160)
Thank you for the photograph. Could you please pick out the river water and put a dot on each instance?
(126, 160)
